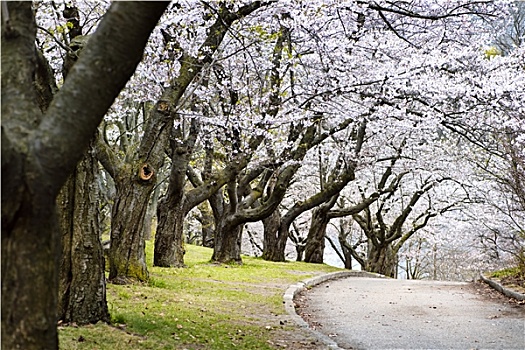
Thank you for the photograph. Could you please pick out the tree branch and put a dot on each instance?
(108, 158)
(108, 61)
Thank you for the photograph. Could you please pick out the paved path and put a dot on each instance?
(377, 313)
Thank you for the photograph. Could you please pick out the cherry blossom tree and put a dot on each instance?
(177, 65)
(178, 202)
(239, 100)
(82, 289)
(40, 150)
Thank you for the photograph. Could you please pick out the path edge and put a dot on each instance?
(294, 289)
(500, 288)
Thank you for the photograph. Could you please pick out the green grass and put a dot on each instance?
(203, 306)
(511, 271)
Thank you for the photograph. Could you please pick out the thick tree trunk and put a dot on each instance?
(30, 260)
(169, 238)
(299, 250)
(275, 236)
(315, 243)
(227, 247)
(169, 247)
(127, 258)
(39, 154)
(382, 260)
(82, 284)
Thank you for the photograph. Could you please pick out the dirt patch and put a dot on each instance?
(295, 339)
(487, 292)
(284, 332)
(515, 280)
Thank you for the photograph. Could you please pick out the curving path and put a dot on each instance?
(378, 313)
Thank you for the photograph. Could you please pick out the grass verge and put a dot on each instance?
(203, 306)
(508, 272)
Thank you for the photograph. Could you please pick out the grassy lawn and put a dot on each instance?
(513, 278)
(203, 306)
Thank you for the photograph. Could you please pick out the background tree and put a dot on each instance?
(276, 228)
(135, 176)
(82, 286)
(176, 204)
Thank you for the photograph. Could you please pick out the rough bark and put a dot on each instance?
(169, 239)
(169, 242)
(275, 237)
(271, 251)
(241, 210)
(229, 228)
(151, 214)
(385, 239)
(227, 249)
(241, 207)
(127, 257)
(315, 242)
(382, 259)
(337, 180)
(347, 253)
(299, 250)
(135, 178)
(82, 285)
(129, 228)
(169, 249)
(207, 225)
(39, 152)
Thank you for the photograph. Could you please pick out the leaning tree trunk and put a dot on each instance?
(38, 154)
(169, 238)
(82, 283)
(169, 242)
(228, 241)
(299, 250)
(127, 257)
(347, 255)
(382, 260)
(314, 250)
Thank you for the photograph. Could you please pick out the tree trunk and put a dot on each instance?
(207, 225)
(169, 247)
(315, 243)
(382, 260)
(82, 284)
(275, 236)
(227, 247)
(30, 260)
(299, 249)
(169, 238)
(39, 154)
(127, 258)
(150, 214)
(347, 254)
